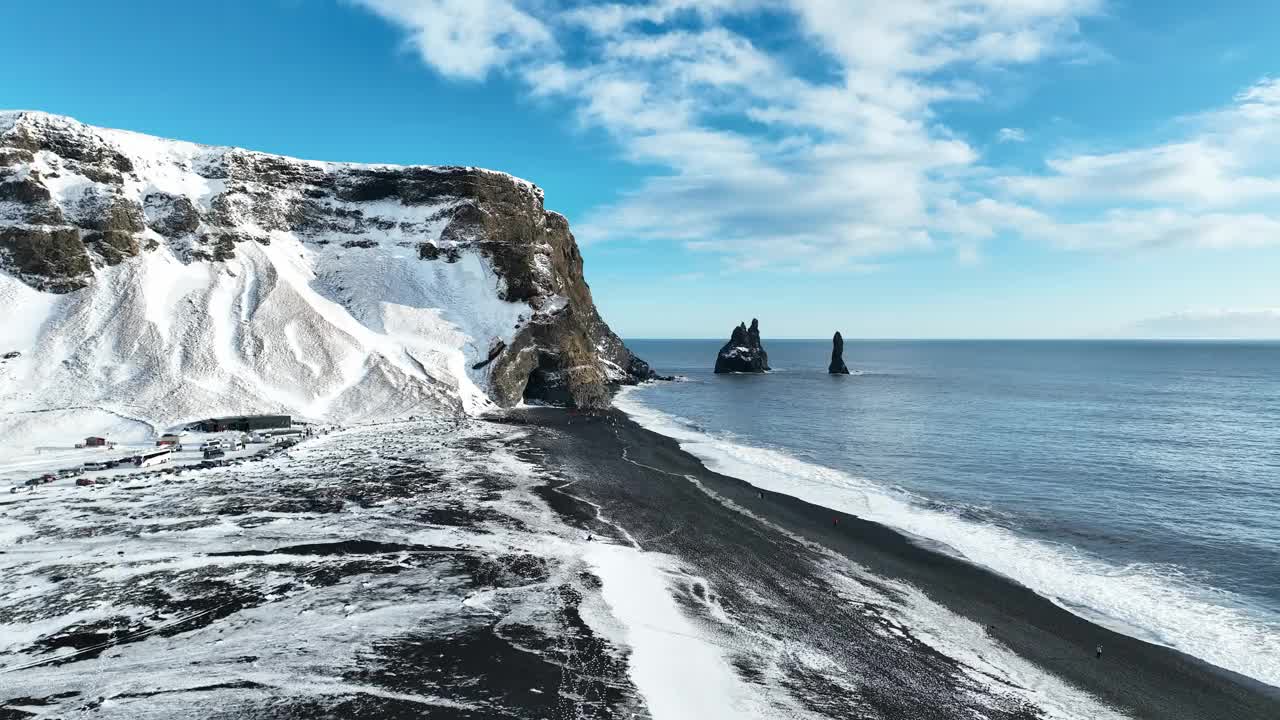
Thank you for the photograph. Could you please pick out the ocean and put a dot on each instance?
(1135, 483)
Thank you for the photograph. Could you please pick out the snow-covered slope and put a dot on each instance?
(150, 282)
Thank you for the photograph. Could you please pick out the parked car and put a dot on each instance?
(70, 472)
(214, 452)
(211, 444)
(85, 481)
(48, 478)
(34, 481)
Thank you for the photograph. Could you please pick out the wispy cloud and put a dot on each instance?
(1254, 323)
(1216, 187)
(1229, 159)
(688, 277)
(771, 162)
(1011, 135)
(466, 39)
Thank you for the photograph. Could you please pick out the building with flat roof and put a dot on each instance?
(243, 423)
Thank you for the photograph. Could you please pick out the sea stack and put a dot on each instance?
(837, 366)
(743, 353)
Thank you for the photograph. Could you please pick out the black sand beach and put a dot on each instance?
(641, 483)
(407, 570)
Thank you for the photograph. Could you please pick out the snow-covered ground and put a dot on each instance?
(383, 571)
(428, 568)
(155, 343)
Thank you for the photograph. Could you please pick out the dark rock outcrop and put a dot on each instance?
(837, 366)
(563, 353)
(743, 353)
(171, 215)
(54, 260)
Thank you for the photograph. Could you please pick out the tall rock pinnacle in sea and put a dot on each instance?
(743, 353)
(837, 366)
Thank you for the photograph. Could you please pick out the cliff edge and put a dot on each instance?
(158, 279)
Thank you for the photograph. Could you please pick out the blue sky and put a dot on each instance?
(889, 168)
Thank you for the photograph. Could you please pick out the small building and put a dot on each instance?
(94, 441)
(243, 423)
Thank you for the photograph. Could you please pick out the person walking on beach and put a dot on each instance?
(1097, 653)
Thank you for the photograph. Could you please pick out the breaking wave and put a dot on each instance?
(1157, 603)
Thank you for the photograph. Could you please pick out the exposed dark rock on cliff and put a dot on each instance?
(58, 240)
(837, 366)
(743, 353)
(49, 259)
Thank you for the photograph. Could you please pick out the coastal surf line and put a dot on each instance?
(1138, 602)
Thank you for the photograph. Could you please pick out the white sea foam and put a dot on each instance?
(1141, 600)
(982, 658)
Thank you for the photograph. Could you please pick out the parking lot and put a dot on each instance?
(16, 470)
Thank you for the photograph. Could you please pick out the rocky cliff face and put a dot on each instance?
(426, 280)
(744, 352)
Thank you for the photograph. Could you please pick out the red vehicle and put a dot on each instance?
(48, 478)
(85, 481)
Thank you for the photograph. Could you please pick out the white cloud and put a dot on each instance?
(1162, 227)
(1112, 229)
(770, 163)
(688, 277)
(607, 18)
(1216, 187)
(1250, 323)
(774, 168)
(1014, 135)
(1199, 172)
(901, 38)
(1229, 158)
(466, 38)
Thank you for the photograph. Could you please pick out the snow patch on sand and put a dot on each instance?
(673, 662)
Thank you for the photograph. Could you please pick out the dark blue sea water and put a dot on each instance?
(1137, 483)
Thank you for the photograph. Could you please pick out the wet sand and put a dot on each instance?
(640, 481)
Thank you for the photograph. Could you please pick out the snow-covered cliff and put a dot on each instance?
(148, 281)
